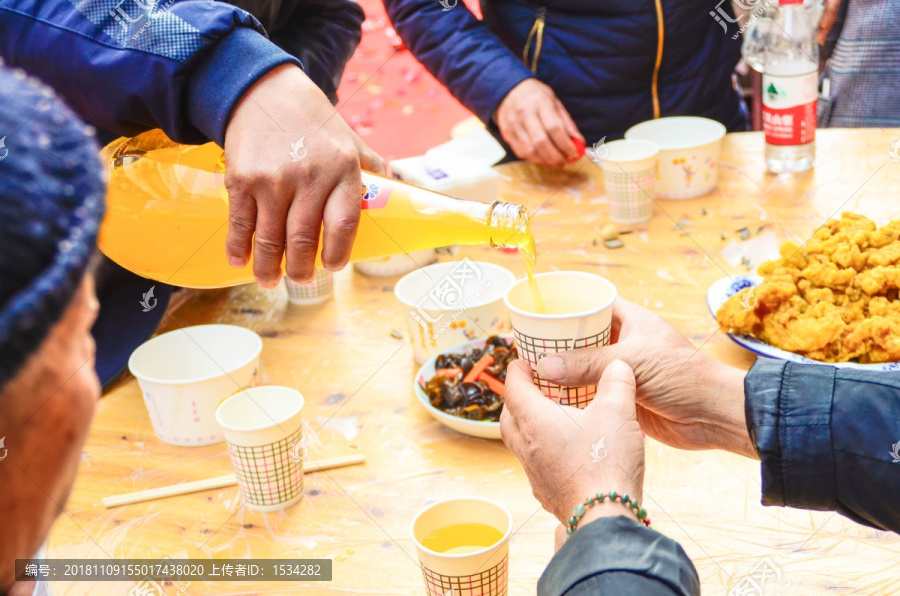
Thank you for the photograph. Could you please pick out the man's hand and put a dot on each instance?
(536, 125)
(685, 398)
(569, 453)
(283, 192)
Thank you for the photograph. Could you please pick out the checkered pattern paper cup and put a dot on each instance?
(478, 571)
(264, 433)
(319, 291)
(629, 176)
(579, 307)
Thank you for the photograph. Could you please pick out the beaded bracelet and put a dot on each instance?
(582, 508)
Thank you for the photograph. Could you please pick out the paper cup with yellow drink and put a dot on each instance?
(449, 303)
(463, 547)
(578, 315)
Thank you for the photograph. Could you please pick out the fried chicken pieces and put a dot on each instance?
(833, 299)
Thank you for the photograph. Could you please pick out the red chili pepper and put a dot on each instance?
(496, 385)
(450, 373)
(483, 362)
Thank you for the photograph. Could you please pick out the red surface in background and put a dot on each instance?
(389, 99)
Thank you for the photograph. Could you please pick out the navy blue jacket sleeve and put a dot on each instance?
(459, 51)
(180, 65)
(617, 555)
(321, 34)
(828, 438)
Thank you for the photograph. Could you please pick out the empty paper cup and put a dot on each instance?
(463, 546)
(396, 264)
(317, 292)
(184, 374)
(688, 153)
(449, 303)
(629, 177)
(579, 315)
(264, 433)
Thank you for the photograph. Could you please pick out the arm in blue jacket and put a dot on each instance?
(130, 65)
(321, 34)
(617, 555)
(828, 438)
(459, 51)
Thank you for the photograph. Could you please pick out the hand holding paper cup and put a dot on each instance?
(579, 315)
(264, 433)
(463, 546)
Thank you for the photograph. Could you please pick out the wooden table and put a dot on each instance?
(358, 378)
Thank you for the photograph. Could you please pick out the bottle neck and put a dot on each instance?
(509, 225)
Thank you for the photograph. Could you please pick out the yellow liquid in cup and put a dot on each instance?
(461, 539)
(167, 216)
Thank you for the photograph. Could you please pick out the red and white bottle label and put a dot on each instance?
(789, 108)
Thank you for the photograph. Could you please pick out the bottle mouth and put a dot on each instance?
(509, 224)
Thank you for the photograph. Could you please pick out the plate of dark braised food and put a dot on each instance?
(463, 388)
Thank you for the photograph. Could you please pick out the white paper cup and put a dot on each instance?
(483, 572)
(585, 301)
(688, 153)
(449, 303)
(184, 374)
(396, 264)
(319, 291)
(629, 177)
(264, 433)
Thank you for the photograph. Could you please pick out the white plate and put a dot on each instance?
(483, 429)
(727, 287)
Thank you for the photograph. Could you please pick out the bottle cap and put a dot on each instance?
(579, 147)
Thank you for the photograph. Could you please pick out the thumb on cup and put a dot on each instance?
(616, 390)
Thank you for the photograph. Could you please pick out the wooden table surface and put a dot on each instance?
(357, 380)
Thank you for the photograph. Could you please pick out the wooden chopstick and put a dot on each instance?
(221, 481)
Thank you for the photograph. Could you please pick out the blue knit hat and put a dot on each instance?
(51, 203)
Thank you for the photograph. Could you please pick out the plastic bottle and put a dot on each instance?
(782, 46)
(167, 215)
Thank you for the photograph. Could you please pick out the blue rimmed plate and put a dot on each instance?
(727, 287)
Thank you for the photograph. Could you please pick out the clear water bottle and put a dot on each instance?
(782, 46)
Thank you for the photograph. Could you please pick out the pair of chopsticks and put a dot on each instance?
(221, 482)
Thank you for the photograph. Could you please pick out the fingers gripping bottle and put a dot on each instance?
(167, 215)
(782, 46)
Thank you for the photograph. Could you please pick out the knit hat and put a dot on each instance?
(51, 203)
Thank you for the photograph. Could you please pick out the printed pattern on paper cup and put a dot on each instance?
(267, 474)
(319, 290)
(533, 349)
(630, 194)
(491, 582)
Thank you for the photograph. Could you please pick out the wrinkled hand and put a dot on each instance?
(686, 399)
(829, 14)
(568, 453)
(284, 199)
(536, 125)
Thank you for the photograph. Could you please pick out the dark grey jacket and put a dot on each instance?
(828, 439)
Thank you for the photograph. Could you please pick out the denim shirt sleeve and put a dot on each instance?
(827, 438)
(617, 555)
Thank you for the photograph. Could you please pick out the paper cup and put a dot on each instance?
(484, 572)
(184, 374)
(397, 264)
(449, 303)
(688, 153)
(319, 291)
(581, 304)
(629, 177)
(264, 433)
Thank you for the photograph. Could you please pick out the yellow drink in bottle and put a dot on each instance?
(167, 216)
